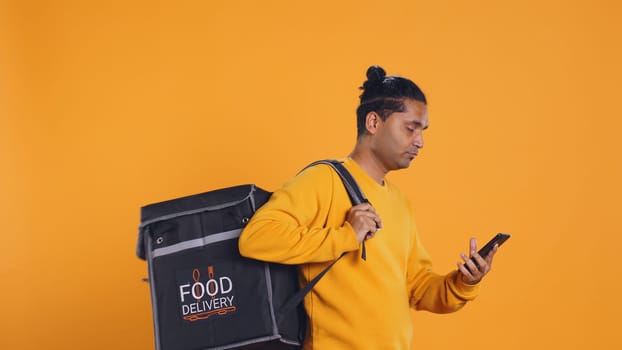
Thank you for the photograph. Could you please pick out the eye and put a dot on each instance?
(410, 129)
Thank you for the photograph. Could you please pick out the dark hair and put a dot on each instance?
(384, 95)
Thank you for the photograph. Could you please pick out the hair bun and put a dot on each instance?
(374, 84)
(375, 74)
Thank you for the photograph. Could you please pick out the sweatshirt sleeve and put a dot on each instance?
(291, 227)
(431, 291)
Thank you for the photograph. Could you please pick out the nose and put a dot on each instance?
(418, 141)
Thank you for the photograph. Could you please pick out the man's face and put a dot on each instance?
(397, 140)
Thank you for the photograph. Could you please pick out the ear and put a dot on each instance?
(372, 121)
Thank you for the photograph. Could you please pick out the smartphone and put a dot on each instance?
(499, 239)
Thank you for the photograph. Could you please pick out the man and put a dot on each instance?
(363, 304)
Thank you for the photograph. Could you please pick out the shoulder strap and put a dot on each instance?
(354, 191)
(356, 197)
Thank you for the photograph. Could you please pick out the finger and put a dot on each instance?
(371, 230)
(467, 276)
(364, 206)
(369, 222)
(357, 210)
(491, 255)
(370, 214)
(464, 270)
(482, 265)
(376, 219)
(371, 225)
(474, 271)
(378, 222)
(367, 207)
(370, 209)
(473, 246)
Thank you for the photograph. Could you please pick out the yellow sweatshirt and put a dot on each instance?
(358, 304)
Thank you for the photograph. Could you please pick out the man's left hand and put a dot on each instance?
(470, 272)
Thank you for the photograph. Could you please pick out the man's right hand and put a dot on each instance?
(364, 220)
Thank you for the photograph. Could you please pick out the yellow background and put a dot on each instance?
(108, 106)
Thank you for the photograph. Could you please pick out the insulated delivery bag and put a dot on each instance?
(204, 294)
